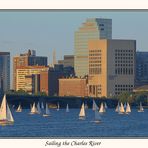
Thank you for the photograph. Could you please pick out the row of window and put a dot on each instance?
(129, 61)
(94, 62)
(124, 54)
(123, 65)
(95, 70)
(123, 50)
(94, 65)
(124, 86)
(126, 71)
(123, 57)
(93, 58)
(95, 51)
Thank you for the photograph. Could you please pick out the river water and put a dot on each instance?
(62, 124)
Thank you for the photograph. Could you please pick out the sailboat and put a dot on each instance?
(125, 105)
(67, 108)
(105, 105)
(128, 109)
(5, 113)
(58, 107)
(121, 109)
(33, 109)
(117, 108)
(86, 106)
(19, 109)
(102, 108)
(42, 105)
(97, 117)
(82, 112)
(47, 112)
(141, 109)
(94, 107)
(38, 108)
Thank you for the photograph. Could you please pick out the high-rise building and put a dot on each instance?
(24, 76)
(4, 71)
(68, 61)
(49, 81)
(54, 57)
(93, 28)
(111, 67)
(141, 68)
(27, 59)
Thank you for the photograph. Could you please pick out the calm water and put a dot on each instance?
(62, 124)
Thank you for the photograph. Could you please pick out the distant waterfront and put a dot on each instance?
(74, 102)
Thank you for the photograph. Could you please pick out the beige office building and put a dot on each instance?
(111, 67)
(23, 82)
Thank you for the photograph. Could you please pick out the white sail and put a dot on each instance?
(38, 108)
(67, 108)
(3, 111)
(42, 105)
(125, 105)
(141, 108)
(19, 109)
(33, 109)
(82, 111)
(47, 110)
(117, 108)
(86, 106)
(121, 109)
(128, 109)
(9, 115)
(102, 109)
(97, 116)
(58, 107)
(94, 107)
(105, 105)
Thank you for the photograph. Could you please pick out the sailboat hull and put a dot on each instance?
(82, 118)
(121, 113)
(140, 111)
(97, 121)
(6, 122)
(45, 115)
(18, 111)
(32, 113)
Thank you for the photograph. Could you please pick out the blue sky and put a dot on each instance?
(44, 31)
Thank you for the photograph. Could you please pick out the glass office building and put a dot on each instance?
(93, 28)
(4, 71)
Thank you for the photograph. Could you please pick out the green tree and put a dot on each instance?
(126, 97)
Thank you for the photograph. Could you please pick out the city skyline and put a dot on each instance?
(21, 31)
